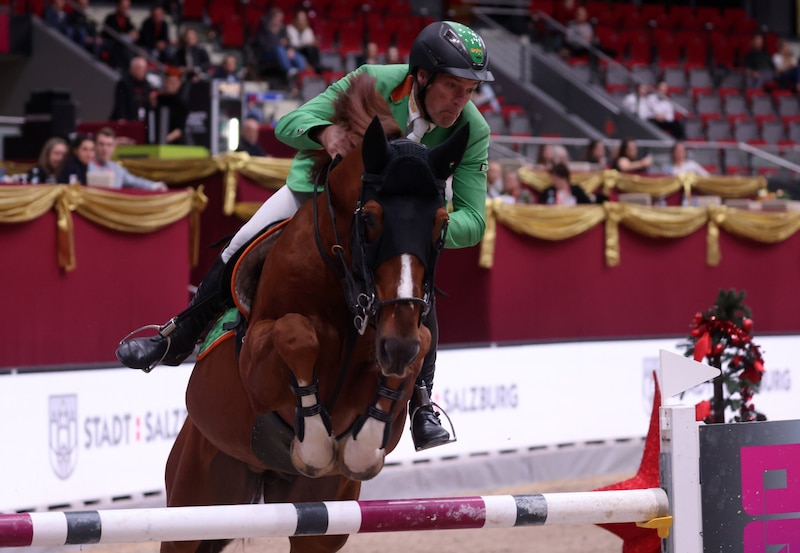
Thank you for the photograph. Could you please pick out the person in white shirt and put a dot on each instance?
(681, 165)
(662, 112)
(105, 144)
(302, 38)
(637, 102)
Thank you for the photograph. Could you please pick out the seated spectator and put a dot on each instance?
(393, 55)
(627, 160)
(248, 141)
(84, 30)
(565, 11)
(301, 37)
(56, 17)
(563, 192)
(638, 103)
(119, 23)
(154, 35)
(274, 46)
(105, 144)
(77, 164)
(484, 96)
(133, 95)
(579, 35)
(494, 179)
(513, 190)
(663, 112)
(169, 97)
(51, 159)
(544, 158)
(190, 57)
(596, 154)
(370, 55)
(229, 70)
(784, 59)
(680, 165)
(757, 63)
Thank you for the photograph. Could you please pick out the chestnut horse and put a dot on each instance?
(335, 340)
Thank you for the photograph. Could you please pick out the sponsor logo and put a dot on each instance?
(63, 434)
(479, 398)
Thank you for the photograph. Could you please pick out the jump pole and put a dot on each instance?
(331, 517)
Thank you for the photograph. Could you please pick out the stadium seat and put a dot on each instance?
(745, 131)
(717, 130)
(772, 132)
(497, 123)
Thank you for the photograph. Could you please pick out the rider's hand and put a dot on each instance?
(336, 140)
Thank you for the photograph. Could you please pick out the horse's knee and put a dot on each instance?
(296, 341)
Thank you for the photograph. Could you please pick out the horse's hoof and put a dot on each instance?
(314, 458)
(359, 460)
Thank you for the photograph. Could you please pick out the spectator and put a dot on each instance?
(116, 44)
(77, 164)
(494, 179)
(484, 96)
(627, 161)
(565, 11)
(56, 17)
(563, 192)
(638, 103)
(105, 144)
(549, 155)
(229, 70)
(681, 165)
(51, 160)
(133, 95)
(784, 59)
(513, 191)
(370, 55)
(248, 141)
(154, 35)
(302, 39)
(274, 45)
(580, 34)
(84, 30)
(757, 63)
(169, 97)
(596, 154)
(393, 55)
(663, 112)
(191, 58)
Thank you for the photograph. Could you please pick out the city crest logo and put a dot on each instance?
(63, 434)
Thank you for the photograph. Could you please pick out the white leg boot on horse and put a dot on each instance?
(426, 428)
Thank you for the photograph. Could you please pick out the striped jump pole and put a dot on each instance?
(330, 517)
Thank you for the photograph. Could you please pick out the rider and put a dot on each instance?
(430, 97)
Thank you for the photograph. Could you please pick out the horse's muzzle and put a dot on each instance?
(396, 354)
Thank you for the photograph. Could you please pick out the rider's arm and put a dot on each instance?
(468, 219)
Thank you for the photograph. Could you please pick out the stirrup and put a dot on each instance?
(163, 331)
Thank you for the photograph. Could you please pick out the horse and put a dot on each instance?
(317, 396)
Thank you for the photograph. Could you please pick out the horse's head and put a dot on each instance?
(399, 231)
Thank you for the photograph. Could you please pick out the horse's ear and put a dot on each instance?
(375, 148)
(445, 157)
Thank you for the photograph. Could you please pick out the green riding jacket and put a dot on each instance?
(468, 218)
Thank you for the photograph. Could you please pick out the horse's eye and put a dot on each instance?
(367, 219)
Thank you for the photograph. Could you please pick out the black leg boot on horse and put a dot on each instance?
(177, 338)
(426, 428)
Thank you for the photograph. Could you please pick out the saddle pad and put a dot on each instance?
(247, 271)
(218, 333)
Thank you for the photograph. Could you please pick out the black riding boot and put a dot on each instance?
(176, 339)
(426, 428)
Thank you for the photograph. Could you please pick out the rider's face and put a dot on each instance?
(446, 97)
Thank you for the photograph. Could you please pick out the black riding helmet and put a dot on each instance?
(450, 47)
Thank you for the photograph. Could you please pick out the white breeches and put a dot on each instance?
(281, 205)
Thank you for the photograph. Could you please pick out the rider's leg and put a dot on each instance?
(426, 428)
(176, 339)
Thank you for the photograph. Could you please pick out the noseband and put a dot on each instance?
(358, 281)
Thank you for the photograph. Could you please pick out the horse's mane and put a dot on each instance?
(354, 109)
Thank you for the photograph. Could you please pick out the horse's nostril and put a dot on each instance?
(398, 351)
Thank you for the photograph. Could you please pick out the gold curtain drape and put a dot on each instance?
(609, 179)
(561, 223)
(122, 212)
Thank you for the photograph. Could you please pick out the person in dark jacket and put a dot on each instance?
(77, 164)
(563, 192)
(122, 31)
(133, 95)
(154, 35)
(248, 142)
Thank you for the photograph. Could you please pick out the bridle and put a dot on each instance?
(358, 280)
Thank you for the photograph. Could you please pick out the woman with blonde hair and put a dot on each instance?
(51, 161)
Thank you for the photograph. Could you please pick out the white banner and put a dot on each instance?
(71, 436)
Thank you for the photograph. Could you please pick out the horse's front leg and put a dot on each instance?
(291, 342)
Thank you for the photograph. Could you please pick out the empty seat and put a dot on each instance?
(787, 105)
(708, 104)
(745, 131)
(761, 105)
(735, 105)
(700, 78)
(675, 76)
(718, 130)
(733, 79)
(707, 158)
(694, 129)
(519, 124)
(736, 162)
(644, 74)
(496, 121)
(616, 75)
(312, 86)
(793, 131)
(772, 132)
